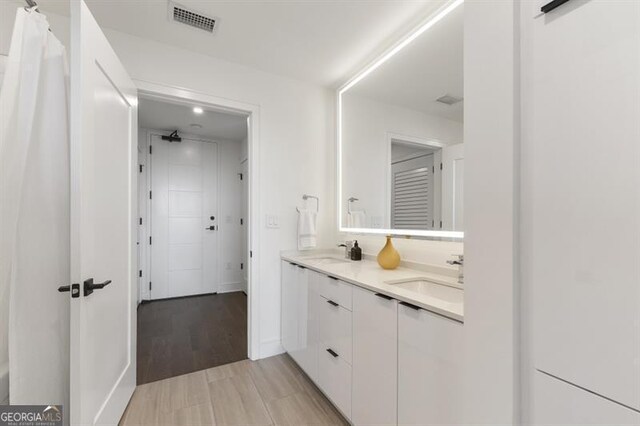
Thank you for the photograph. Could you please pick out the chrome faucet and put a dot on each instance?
(348, 245)
(460, 262)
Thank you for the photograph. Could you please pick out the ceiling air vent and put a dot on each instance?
(179, 13)
(449, 100)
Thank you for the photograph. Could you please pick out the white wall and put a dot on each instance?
(491, 195)
(365, 126)
(295, 149)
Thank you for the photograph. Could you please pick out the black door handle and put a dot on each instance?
(89, 286)
(210, 228)
(73, 288)
(333, 353)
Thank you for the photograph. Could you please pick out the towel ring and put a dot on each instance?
(306, 197)
(350, 201)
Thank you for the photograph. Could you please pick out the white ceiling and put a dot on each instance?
(169, 117)
(320, 41)
(428, 68)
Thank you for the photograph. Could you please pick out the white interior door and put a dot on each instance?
(245, 227)
(452, 187)
(103, 156)
(184, 218)
(412, 193)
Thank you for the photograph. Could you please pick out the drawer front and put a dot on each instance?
(334, 378)
(335, 329)
(336, 290)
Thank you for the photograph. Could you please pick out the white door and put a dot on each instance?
(412, 194)
(245, 217)
(452, 187)
(184, 218)
(103, 206)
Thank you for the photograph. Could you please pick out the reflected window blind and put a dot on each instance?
(410, 199)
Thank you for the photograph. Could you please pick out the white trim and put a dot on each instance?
(431, 21)
(231, 287)
(183, 96)
(271, 348)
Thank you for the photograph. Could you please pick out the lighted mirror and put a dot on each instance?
(400, 136)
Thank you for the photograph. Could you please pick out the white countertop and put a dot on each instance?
(368, 274)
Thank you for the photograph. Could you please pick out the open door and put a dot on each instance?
(103, 131)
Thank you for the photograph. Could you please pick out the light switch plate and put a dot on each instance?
(272, 221)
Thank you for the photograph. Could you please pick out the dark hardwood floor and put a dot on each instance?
(180, 336)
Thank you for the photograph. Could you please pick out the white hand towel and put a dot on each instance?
(307, 229)
(357, 219)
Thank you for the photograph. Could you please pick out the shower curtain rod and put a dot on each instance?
(32, 3)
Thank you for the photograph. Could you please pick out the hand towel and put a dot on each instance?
(307, 234)
(357, 219)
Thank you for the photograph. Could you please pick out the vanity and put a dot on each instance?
(384, 346)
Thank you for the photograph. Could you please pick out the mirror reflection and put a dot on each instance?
(402, 137)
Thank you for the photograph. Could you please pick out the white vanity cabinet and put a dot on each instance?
(375, 358)
(335, 342)
(430, 349)
(289, 309)
(306, 353)
(300, 316)
(379, 360)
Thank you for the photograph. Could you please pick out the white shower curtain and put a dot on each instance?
(34, 215)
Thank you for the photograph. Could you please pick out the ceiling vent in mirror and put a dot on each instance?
(449, 100)
(183, 15)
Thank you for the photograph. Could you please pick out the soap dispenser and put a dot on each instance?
(356, 252)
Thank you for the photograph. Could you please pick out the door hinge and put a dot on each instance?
(150, 286)
(140, 221)
(140, 166)
(150, 149)
(149, 240)
(151, 195)
(440, 166)
(241, 221)
(433, 223)
(440, 224)
(433, 169)
(250, 253)
(140, 273)
(240, 176)
(241, 266)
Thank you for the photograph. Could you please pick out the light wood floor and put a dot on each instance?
(271, 391)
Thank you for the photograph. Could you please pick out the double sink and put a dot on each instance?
(419, 285)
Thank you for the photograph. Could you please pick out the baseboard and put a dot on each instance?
(271, 348)
(230, 287)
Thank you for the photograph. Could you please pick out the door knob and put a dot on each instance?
(73, 288)
(210, 228)
(89, 286)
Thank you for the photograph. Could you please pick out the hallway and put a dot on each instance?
(180, 336)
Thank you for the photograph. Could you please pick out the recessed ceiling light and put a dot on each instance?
(195, 126)
(198, 110)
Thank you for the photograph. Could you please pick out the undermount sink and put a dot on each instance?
(431, 289)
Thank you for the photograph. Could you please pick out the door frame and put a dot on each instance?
(176, 95)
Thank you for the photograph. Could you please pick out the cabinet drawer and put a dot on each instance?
(335, 329)
(334, 378)
(336, 290)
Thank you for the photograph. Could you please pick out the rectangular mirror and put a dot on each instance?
(400, 136)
